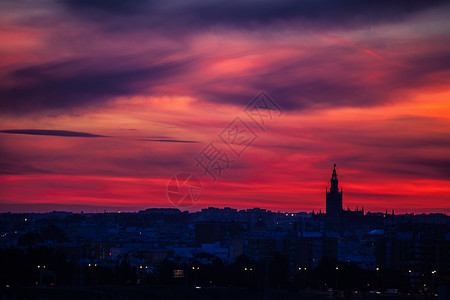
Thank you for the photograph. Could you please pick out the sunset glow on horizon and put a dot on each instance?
(102, 103)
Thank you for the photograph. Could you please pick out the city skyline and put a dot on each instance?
(333, 198)
(101, 104)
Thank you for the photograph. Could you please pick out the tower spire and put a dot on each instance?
(334, 175)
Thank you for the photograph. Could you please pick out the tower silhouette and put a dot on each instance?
(334, 199)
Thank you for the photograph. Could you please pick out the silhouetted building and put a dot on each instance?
(333, 201)
(227, 235)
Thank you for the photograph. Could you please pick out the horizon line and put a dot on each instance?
(78, 209)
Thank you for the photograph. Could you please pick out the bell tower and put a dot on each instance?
(334, 198)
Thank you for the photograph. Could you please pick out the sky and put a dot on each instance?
(105, 105)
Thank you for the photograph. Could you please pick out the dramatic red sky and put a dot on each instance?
(102, 102)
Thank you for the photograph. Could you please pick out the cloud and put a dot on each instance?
(19, 167)
(64, 133)
(329, 74)
(248, 13)
(170, 141)
(110, 6)
(83, 82)
(98, 157)
(334, 76)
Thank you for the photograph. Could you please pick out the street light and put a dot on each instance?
(247, 274)
(433, 274)
(302, 276)
(195, 273)
(378, 283)
(337, 269)
(410, 280)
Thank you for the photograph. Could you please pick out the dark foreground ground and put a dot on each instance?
(176, 293)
